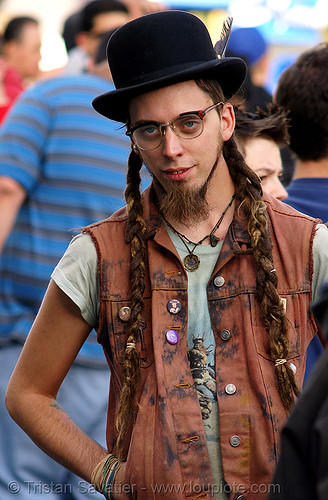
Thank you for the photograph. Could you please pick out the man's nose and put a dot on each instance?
(172, 144)
(279, 191)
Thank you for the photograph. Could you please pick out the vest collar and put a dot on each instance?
(238, 229)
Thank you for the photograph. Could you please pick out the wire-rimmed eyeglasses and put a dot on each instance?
(148, 136)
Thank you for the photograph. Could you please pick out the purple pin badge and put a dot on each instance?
(172, 337)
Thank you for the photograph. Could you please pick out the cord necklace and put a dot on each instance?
(191, 262)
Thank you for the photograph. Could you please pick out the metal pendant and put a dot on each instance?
(214, 240)
(191, 262)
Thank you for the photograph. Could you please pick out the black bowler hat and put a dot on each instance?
(160, 49)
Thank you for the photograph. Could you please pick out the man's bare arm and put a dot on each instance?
(12, 195)
(51, 347)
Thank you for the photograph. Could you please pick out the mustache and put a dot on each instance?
(179, 202)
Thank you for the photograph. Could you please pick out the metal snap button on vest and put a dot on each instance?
(293, 367)
(174, 306)
(225, 335)
(124, 313)
(235, 441)
(219, 281)
(172, 337)
(230, 389)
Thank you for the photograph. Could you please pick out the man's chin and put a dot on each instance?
(181, 203)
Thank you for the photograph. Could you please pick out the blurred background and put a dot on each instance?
(289, 26)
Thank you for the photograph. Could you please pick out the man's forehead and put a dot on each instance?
(106, 21)
(30, 30)
(185, 92)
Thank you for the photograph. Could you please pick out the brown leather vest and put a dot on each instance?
(166, 449)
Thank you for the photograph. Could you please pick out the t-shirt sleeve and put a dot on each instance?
(23, 136)
(320, 259)
(76, 275)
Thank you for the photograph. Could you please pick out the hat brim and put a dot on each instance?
(230, 73)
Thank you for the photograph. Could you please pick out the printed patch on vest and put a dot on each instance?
(283, 302)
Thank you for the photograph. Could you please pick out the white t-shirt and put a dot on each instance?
(76, 274)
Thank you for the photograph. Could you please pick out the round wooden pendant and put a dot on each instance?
(191, 262)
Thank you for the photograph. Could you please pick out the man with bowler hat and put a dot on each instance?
(199, 289)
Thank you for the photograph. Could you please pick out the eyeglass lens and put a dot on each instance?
(185, 127)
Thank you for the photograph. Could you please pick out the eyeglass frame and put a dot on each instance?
(200, 113)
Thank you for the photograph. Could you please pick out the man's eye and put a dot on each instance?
(189, 124)
(148, 130)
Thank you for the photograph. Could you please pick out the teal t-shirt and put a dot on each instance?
(201, 351)
(77, 275)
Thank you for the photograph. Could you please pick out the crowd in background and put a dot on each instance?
(62, 167)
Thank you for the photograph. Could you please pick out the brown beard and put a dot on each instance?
(184, 204)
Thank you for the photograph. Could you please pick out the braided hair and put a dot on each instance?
(136, 238)
(249, 193)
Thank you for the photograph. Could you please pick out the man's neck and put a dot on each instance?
(197, 230)
(305, 169)
(219, 193)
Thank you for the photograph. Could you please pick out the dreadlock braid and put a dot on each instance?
(248, 191)
(135, 234)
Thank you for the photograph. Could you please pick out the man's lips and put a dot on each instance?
(177, 174)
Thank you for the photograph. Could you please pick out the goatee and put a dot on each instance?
(186, 205)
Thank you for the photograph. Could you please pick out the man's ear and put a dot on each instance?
(80, 39)
(227, 121)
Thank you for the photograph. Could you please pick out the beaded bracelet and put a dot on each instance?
(102, 477)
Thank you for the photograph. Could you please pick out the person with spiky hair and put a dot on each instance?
(302, 91)
(260, 137)
(201, 254)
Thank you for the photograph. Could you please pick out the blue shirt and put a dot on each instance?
(72, 162)
(310, 196)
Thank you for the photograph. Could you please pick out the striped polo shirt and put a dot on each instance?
(72, 163)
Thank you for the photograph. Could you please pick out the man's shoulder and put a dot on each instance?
(309, 195)
(280, 207)
(69, 84)
(120, 216)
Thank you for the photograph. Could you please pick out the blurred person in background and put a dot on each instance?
(136, 8)
(82, 29)
(21, 46)
(140, 7)
(70, 30)
(89, 24)
(260, 137)
(302, 470)
(302, 91)
(250, 45)
(5, 102)
(62, 166)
